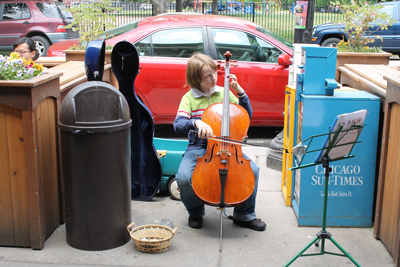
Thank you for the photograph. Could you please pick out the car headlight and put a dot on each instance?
(314, 30)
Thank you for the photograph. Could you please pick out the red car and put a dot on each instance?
(165, 43)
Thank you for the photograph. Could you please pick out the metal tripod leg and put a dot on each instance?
(344, 251)
(301, 252)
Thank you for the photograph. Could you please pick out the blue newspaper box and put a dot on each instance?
(351, 182)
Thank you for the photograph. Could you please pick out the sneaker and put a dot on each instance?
(255, 224)
(196, 223)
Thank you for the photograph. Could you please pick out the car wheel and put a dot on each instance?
(331, 42)
(173, 189)
(42, 45)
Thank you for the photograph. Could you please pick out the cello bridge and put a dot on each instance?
(223, 152)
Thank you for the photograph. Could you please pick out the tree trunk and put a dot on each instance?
(159, 6)
(178, 6)
(215, 7)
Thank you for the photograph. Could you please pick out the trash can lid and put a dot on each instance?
(95, 107)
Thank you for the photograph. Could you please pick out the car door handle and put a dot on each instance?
(26, 22)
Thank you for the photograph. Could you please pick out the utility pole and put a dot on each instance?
(304, 11)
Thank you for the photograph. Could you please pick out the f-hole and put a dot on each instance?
(212, 153)
(237, 158)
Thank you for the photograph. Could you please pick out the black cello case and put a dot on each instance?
(146, 167)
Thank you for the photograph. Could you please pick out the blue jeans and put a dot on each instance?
(243, 212)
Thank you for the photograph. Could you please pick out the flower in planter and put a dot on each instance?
(16, 68)
(361, 21)
(77, 47)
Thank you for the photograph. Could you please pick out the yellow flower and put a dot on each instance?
(14, 55)
(30, 62)
(38, 67)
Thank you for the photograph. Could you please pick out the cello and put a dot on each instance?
(223, 177)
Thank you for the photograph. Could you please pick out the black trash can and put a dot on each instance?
(95, 149)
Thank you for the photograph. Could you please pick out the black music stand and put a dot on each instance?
(335, 140)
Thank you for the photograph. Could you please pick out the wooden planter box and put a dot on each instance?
(30, 193)
(387, 215)
(360, 58)
(79, 55)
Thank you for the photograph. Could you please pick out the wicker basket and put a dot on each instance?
(151, 238)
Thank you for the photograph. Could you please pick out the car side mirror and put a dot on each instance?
(284, 60)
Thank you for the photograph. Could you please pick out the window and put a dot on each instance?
(49, 9)
(16, 11)
(244, 46)
(172, 43)
(143, 47)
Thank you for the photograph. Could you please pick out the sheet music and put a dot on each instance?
(347, 120)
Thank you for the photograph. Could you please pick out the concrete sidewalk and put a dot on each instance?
(282, 240)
